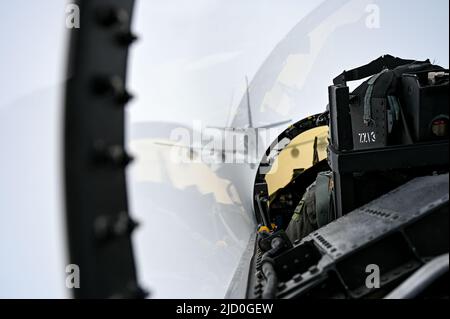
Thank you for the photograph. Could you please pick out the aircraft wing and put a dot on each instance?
(196, 148)
(275, 124)
(289, 146)
(243, 128)
(193, 148)
(227, 128)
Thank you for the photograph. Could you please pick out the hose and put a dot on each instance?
(268, 270)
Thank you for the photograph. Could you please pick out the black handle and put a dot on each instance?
(374, 67)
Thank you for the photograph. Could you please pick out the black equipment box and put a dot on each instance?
(403, 102)
(426, 104)
(404, 127)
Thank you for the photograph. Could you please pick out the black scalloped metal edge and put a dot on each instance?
(98, 222)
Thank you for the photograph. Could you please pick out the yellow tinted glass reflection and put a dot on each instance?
(297, 156)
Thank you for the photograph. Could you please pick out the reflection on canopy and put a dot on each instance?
(282, 87)
(297, 156)
(290, 84)
(155, 164)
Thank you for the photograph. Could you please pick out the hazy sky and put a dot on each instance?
(190, 64)
(32, 54)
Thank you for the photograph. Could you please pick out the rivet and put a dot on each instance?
(281, 286)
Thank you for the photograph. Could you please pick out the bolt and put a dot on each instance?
(126, 38)
(258, 286)
(137, 292)
(124, 225)
(106, 227)
(114, 154)
(113, 86)
(313, 269)
(119, 156)
(124, 97)
(109, 17)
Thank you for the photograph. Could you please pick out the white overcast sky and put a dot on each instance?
(190, 64)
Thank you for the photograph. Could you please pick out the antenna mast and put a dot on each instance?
(250, 121)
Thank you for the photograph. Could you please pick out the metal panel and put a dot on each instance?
(399, 232)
